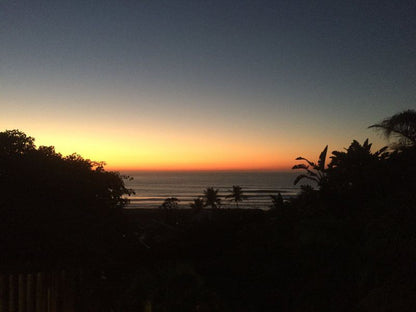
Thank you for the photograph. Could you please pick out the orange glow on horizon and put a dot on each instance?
(141, 148)
(205, 167)
(183, 162)
(218, 159)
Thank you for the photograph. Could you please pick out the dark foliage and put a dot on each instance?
(347, 245)
(197, 205)
(277, 201)
(170, 203)
(401, 127)
(355, 233)
(212, 198)
(313, 171)
(53, 206)
(237, 194)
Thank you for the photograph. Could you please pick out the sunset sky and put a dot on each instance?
(204, 84)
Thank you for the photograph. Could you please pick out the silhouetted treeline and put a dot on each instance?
(348, 245)
(54, 207)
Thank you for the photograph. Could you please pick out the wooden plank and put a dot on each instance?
(148, 306)
(48, 291)
(67, 291)
(3, 292)
(40, 293)
(12, 293)
(21, 293)
(53, 287)
(30, 293)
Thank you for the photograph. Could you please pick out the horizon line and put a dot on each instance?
(200, 170)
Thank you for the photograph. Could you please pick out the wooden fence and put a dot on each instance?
(38, 292)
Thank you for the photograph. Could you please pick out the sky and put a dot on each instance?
(204, 85)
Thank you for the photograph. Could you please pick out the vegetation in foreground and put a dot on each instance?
(55, 208)
(348, 245)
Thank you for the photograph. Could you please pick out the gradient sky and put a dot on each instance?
(204, 84)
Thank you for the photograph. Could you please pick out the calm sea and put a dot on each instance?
(152, 188)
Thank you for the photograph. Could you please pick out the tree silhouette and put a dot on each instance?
(356, 154)
(15, 143)
(401, 126)
(55, 204)
(169, 210)
(277, 201)
(211, 198)
(356, 168)
(314, 172)
(170, 203)
(197, 205)
(237, 194)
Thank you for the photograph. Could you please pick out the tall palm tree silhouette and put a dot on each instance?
(402, 126)
(237, 194)
(211, 197)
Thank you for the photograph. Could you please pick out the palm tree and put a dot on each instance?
(197, 205)
(211, 198)
(402, 126)
(237, 194)
(314, 172)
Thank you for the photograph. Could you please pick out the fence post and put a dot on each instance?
(39, 307)
(48, 287)
(3, 292)
(21, 293)
(67, 304)
(147, 306)
(30, 302)
(12, 293)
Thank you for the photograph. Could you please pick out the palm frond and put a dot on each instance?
(381, 151)
(401, 125)
(308, 161)
(322, 158)
(300, 166)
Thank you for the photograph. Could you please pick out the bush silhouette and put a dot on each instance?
(53, 205)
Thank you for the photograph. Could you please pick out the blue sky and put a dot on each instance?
(278, 77)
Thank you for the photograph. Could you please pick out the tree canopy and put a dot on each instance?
(50, 202)
(237, 194)
(212, 198)
(401, 126)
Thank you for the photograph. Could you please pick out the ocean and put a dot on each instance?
(152, 188)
